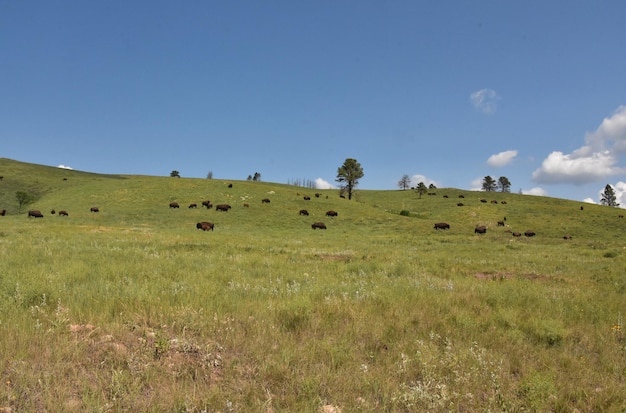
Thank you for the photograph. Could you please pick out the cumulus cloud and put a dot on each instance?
(501, 159)
(417, 178)
(322, 184)
(476, 184)
(64, 167)
(485, 100)
(594, 161)
(589, 201)
(535, 191)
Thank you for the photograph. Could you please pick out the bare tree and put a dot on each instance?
(404, 182)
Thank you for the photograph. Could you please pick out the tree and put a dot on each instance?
(608, 197)
(421, 189)
(209, 175)
(405, 182)
(348, 175)
(432, 186)
(175, 174)
(24, 198)
(504, 185)
(257, 177)
(489, 184)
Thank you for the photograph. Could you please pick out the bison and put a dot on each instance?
(319, 225)
(517, 234)
(484, 201)
(3, 212)
(174, 205)
(459, 204)
(94, 209)
(529, 233)
(193, 205)
(35, 214)
(331, 213)
(53, 212)
(480, 230)
(304, 212)
(442, 225)
(63, 214)
(222, 207)
(265, 201)
(205, 226)
(306, 198)
(567, 237)
(500, 223)
(207, 204)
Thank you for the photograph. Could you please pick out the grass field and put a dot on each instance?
(134, 309)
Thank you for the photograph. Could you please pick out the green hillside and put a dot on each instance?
(134, 309)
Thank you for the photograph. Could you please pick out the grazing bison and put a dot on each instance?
(222, 207)
(331, 213)
(306, 198)
(317, 195)
(581, 208)
(517, 234)
(529, 233)
(63, 214)
(503, 202)
(442, 225)
(230, 185)
(445, 196)
(35, 213)
(205, 226)
(304, 212)
(480, 230)
(207, 204)
(94, 209)
(265, 201)
(319, 225)
(246, 205)
(174, 205)
(484, 201)
(500, 223)
(567, 237)
(461, 196)
(193, 205)
(53, 212)
(620, 216)
(3, 212)
(459, 204)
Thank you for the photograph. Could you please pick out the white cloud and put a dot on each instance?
(535, 191)
(64, 167)
(589, 201)
(501, 159)
(322, 184)
(476, 184)
(485, 100)
(417, 178)
(594, 161)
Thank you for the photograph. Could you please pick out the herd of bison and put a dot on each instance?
(209, 226)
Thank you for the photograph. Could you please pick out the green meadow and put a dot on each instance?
(135, 309)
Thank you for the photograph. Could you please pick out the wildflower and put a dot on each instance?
(616, 328)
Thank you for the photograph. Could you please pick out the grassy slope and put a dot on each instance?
(379, 312)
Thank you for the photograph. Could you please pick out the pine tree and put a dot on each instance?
(608, 197)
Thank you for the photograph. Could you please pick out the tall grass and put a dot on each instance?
(134, 309)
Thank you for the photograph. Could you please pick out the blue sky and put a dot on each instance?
(447, 92)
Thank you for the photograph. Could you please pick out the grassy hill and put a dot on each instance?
(134, 309)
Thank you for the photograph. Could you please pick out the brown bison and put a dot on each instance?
(207, 204)
(304, 212)
(94, 209)
(265, 201)
(461, 196)
(35, 213)
(567, 237)
(319, 225)
(246, 205)
(517, 234)
(222, 207)
(459, 204)
(53, 212)
(442, 225)
(484, 201)
(306, 198)
(529, 233)
(193, 205)
(500, 223)
(480, 230)
(331, 213)
(3, 212)
(317, 195)
(174, 205)
(205, 226)
(63, 214)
